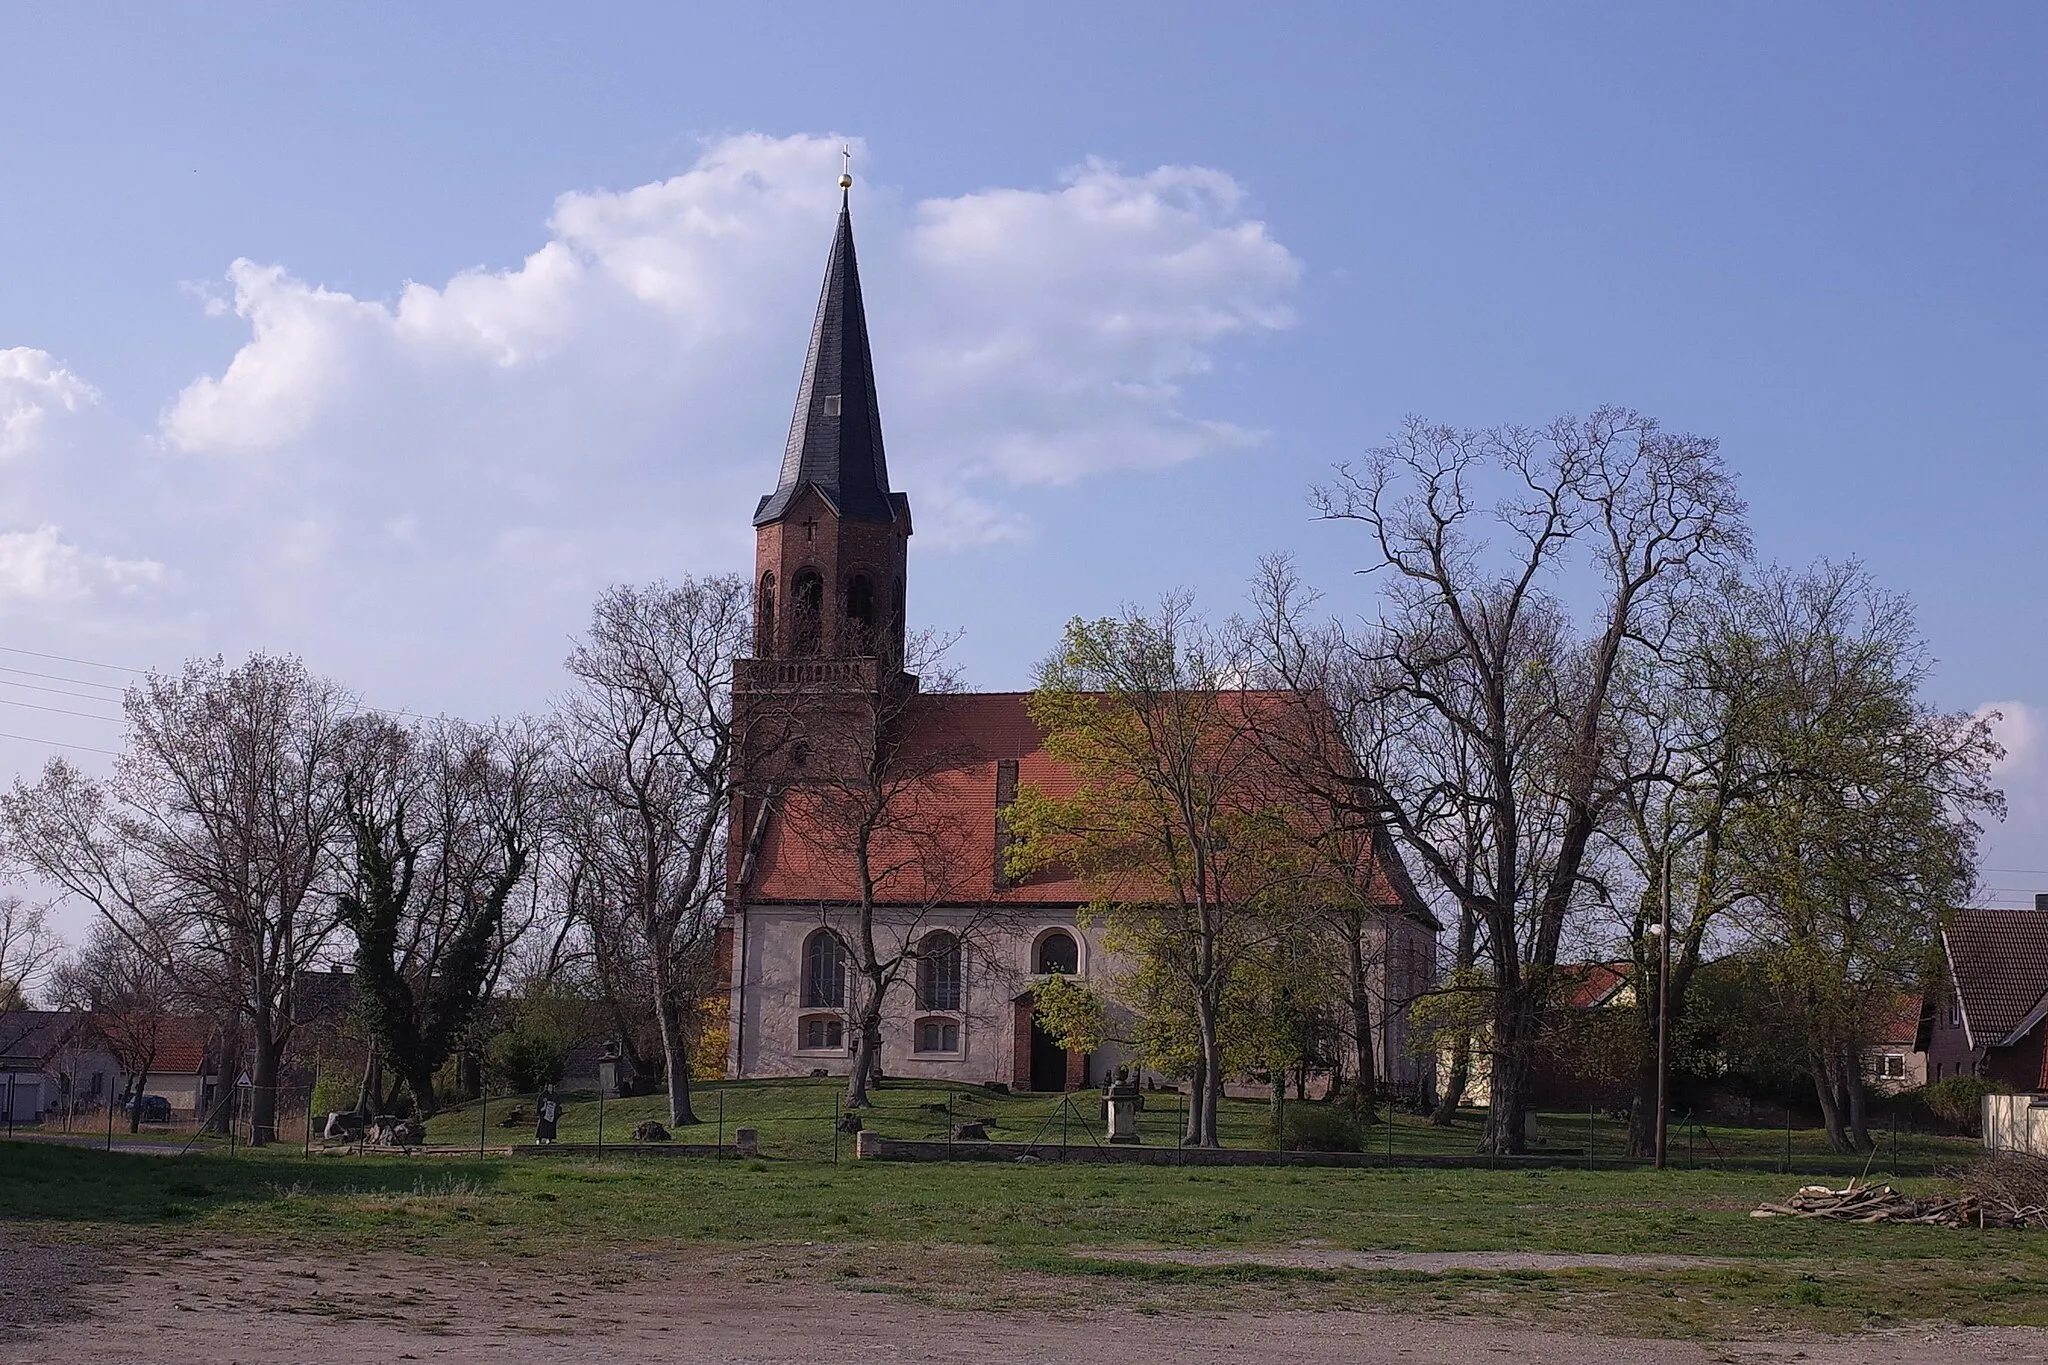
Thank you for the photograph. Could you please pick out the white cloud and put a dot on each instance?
(422, 488)
(1025, 337)
(2020, 730)
(33, 386)
(41, 566)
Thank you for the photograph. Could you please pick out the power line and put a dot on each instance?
(67, 659)
(58, 677)
(60, 691)
(60, 744)
(33, 706)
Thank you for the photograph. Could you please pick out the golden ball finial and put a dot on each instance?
(846, 166)
(845, 181)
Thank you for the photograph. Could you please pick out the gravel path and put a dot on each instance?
(42, 1279)
(1429, 1262)
(250, 1304)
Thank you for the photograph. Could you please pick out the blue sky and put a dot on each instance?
(1138, 275)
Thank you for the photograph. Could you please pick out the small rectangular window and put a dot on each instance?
(831, 405)
(938, 1035)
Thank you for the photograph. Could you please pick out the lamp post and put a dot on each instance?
(1662, 929)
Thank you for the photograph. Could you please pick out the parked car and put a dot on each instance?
(155, 1108)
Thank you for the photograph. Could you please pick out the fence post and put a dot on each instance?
(309, 1110)
(600, 1116)
(1788, 1139)
(110, 1118)
(721, 1122)
(483, 1114)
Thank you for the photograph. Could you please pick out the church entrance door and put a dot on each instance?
(1048, 1060)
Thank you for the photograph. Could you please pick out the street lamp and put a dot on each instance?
(1662, 929)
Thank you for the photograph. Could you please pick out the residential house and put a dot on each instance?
(1985, 1016)
(52, 1061)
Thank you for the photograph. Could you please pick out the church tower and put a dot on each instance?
(831, 542)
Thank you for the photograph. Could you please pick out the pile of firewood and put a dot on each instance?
(1883, 1204)
(1871, 1204)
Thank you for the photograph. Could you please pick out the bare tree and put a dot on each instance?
(28, 947)
(211, 844)
(647, 740)
(1474, 646)
(132, 997)
(853, 773)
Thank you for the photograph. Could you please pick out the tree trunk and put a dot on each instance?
(675, 1048)
(1642, 1111)
(1515, 1022)
(420, 1082)
(263, 1090)
(1212, 1068)
(370, 1094)
(1192, 1134)
(1446, 1111)
(229, 1064)
(1825, 1091)
(1859, 1103)
(867, 1050)
(1367, 1071)
(1461, 1049)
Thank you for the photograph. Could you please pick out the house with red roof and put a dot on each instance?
(831, 576)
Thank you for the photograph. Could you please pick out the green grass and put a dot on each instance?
(795, 1118)
(999, 1221)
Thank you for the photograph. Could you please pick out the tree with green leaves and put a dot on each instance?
(1864, 834)
(444, 818)
(1173, 820)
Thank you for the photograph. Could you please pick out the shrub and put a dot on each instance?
(1958, 1101)
(522, 1062)
(1318, 1128)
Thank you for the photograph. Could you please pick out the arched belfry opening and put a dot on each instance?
(860, 615)
(807, 613)
(764, 616)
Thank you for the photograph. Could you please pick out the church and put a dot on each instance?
(868, 822)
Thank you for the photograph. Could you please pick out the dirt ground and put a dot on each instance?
(775, 1304)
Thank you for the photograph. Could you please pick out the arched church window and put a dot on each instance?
(938, 972)
(824, 971)
(1057, 952)
(764, 617)
(896, 616)
(860, 614)
(808, 594)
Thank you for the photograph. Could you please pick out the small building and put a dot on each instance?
(1985, 1016)
(1894, 1060)
(51, 1062)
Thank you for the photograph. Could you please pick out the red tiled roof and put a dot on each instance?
(1589, 985)
(963, 736)
(1899, 1020)
(1998, 960)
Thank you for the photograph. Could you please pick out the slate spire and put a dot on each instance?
(835, 439)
